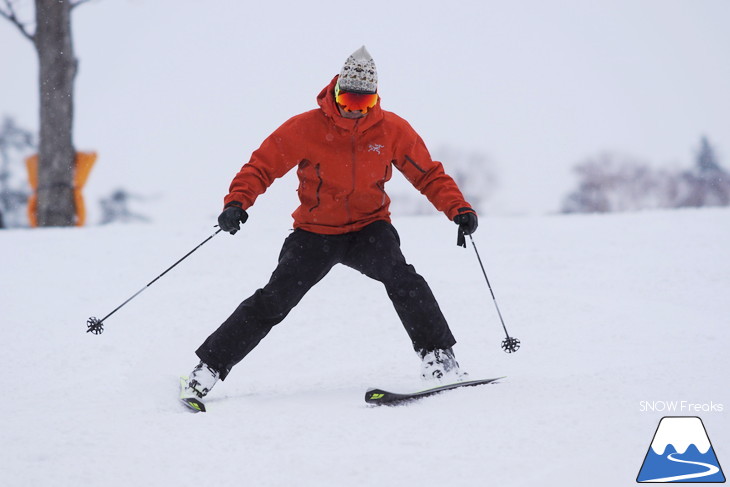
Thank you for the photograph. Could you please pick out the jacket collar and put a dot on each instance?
(326, 101)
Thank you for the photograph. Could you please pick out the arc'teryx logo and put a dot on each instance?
(375, 148)
(681, 452)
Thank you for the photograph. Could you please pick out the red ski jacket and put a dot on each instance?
(343, 165)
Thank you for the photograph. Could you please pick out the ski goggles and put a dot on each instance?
(352, 102)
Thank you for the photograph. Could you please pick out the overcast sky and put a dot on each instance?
(178, 93)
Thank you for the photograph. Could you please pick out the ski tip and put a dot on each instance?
(193, 404)
(375, 396)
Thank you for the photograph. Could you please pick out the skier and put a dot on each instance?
(344, 151)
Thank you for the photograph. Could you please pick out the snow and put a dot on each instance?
(681, 433)
(611, 311)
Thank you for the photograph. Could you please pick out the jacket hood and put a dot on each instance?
(326, 101)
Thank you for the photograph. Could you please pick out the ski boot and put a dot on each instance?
(196, 387)
(441, 365)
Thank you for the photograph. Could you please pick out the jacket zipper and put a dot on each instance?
(382, 185)
(319, 186)
(353, 160)
(414, 164)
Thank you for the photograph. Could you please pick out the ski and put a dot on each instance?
(192, 403)
(380, 397)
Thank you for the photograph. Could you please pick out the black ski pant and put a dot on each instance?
(304, 260)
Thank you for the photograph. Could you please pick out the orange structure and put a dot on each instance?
(83, 164)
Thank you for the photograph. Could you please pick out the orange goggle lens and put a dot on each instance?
(355, 101)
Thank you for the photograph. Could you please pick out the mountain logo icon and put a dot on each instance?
(681, 452)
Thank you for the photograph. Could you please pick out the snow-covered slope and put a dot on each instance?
(611, 311)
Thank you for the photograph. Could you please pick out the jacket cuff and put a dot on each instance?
(464, 209)
(233, 203)
(236, 199)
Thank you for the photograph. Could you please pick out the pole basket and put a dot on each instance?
(95, 326)
(510, 344)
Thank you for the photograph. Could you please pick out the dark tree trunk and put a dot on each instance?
(56, 153)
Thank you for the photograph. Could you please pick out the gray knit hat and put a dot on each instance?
(359, 75)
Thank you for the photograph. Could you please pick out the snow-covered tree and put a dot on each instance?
(15, 142)
(115, 208)
(707, 183)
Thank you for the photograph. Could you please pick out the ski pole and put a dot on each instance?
(96, 325)
(509, 344)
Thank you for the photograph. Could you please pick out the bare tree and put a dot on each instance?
(52, 39)
(473, 171)
(609, 183)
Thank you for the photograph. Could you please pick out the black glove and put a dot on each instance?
(468, 223)
(228, 221)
